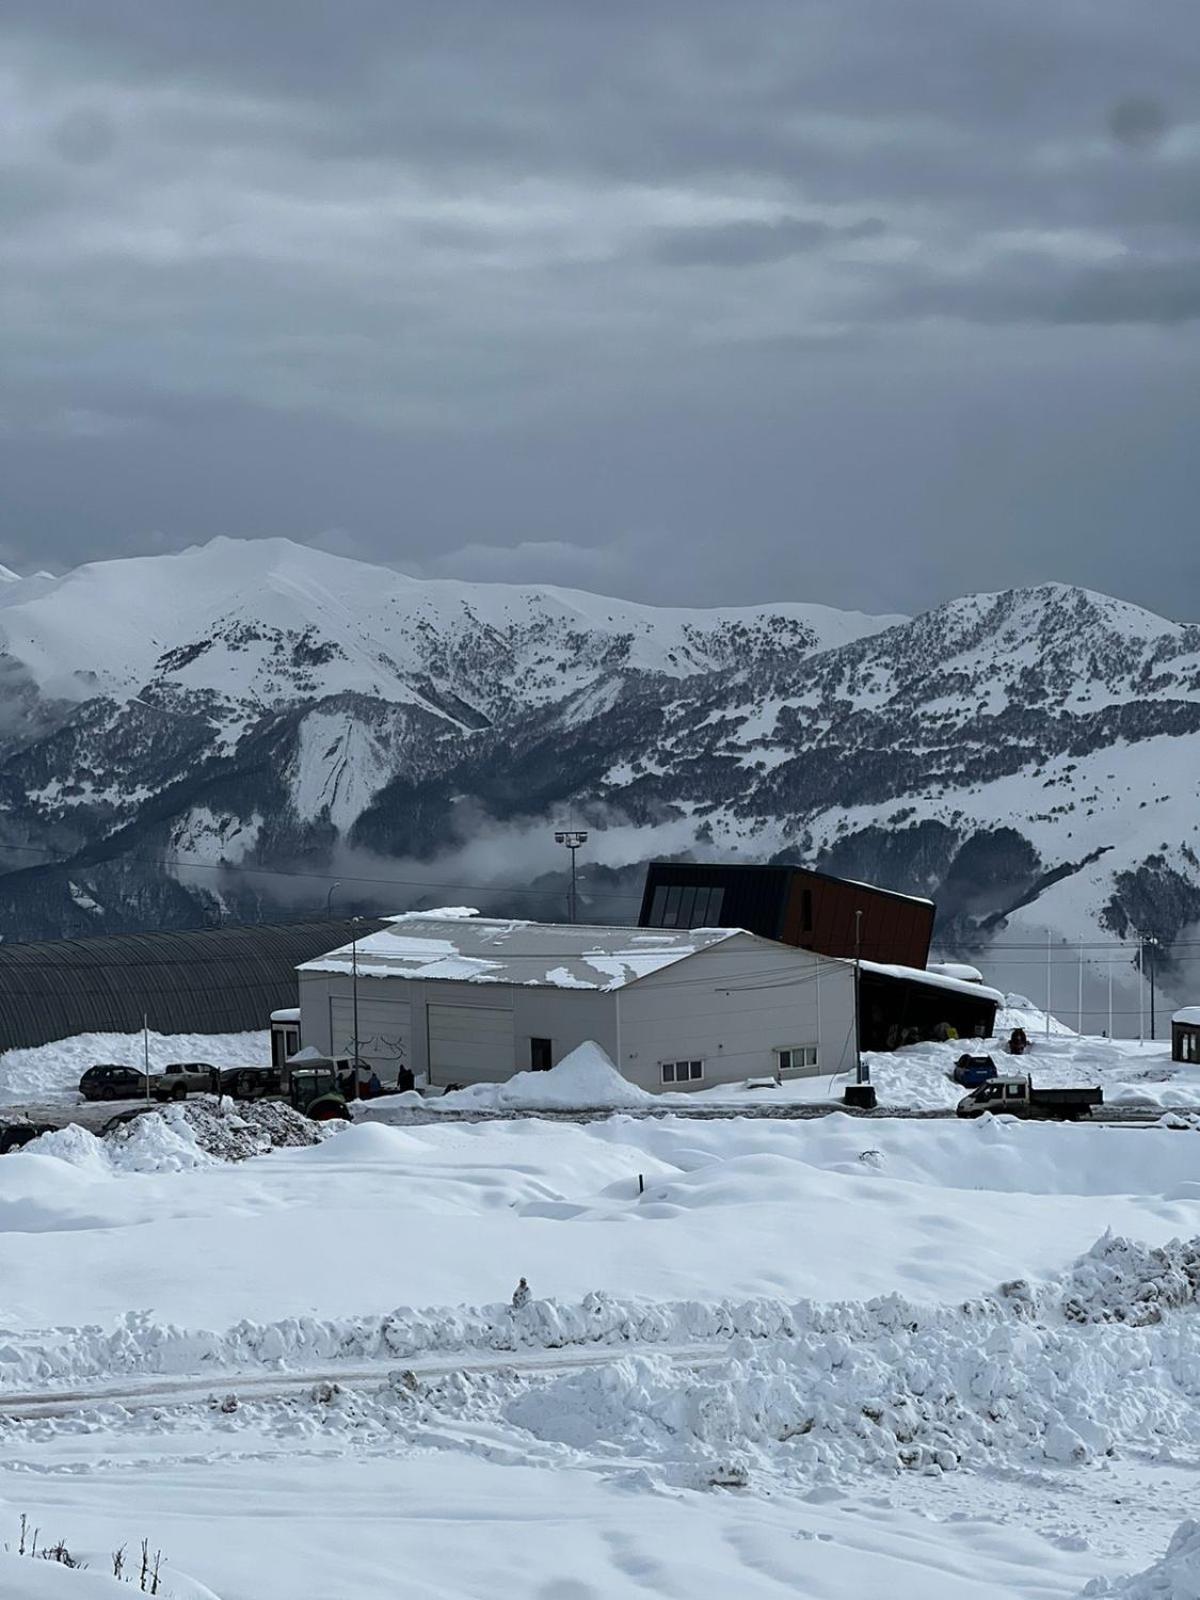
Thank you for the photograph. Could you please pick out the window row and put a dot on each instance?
(682, 906)
(797, 1058)
(682, 1071)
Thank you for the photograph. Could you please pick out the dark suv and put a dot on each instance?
(112, 1083)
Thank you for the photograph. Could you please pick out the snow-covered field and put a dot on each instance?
(834, 1358)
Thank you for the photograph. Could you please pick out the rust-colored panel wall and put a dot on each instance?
(820, 915)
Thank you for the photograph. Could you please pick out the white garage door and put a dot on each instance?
(470, 1044)
(384, 1032)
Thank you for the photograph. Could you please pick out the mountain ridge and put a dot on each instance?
(1027, 754)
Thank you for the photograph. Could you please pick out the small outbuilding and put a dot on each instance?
(1185, 1036)
(465, 999)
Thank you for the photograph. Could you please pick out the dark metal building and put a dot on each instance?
(899, 1001)
(212, 980)
(792, 904)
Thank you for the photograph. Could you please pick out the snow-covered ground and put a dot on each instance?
(763, 1358)
(50, 1073)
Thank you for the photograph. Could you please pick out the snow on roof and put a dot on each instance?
(286, 1014)
(956, 969)
(1189, 1016)
(500, 950)
(936, 980)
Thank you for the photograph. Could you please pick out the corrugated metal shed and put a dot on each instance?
(211, 980)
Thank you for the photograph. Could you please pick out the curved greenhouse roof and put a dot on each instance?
(210, 980)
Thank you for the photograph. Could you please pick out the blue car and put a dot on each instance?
(971, 1071)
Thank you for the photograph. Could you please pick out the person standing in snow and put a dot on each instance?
(521, 1295)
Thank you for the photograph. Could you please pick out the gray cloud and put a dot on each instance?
(682, 300)
(1139, 122)
(740, 244)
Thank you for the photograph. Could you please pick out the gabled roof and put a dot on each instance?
(555, 955)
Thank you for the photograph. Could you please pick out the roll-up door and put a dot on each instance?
(470, 1044)
(384, 1032)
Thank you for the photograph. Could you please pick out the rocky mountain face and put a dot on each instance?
(228, 731)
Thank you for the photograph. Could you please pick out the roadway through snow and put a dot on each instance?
(96, 1115)
(153, 1392)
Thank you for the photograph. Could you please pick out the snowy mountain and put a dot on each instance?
(1030, 757)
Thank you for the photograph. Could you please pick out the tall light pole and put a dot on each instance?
(354, 992)
(329, 899)
(1152, 951)
(862, 1073)
(573, 838)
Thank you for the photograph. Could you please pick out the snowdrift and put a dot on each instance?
(584, 1080)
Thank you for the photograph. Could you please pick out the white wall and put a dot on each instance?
(567, 1017)
(732, 1006)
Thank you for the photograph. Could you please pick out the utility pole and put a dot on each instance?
(862, 1074)
(146, 1052)
(1047, 983)
(1141, 990)
(573, 838)
(1079, 996)
(354, 996)
(1110, 1019)
(1152, 946)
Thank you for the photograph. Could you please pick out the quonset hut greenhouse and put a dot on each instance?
(210, 980)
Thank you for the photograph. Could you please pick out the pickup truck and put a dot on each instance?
(1017, 1097)
(182, 1078)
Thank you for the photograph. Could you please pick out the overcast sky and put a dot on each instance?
(855, 301)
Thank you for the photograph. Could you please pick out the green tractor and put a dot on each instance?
(318, 1087)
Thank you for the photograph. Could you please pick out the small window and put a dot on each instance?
(712, 917)
(1014, 1091)
(797, 1058)
(671, 908)
(687, 905)
(541, 1054)
(658, 906)
(682, 1071)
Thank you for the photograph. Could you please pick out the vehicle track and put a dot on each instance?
(153, 1392)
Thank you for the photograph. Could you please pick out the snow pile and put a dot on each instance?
(51, 1072)
(159, 1141)
(1175, 1577)
(181, 1137)
(1018, 1011)
(585, 1080)
(23, 1579)
(1120, 1281)
(232, 1131)
(898, 1392)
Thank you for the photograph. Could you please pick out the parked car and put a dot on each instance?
(182, 1078)
(252, 1083)
(109, 1082)
(971, 1071)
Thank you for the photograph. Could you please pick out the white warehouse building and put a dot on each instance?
(459, 999)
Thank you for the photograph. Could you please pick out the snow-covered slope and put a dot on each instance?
(271, 619)
(1031, 758)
